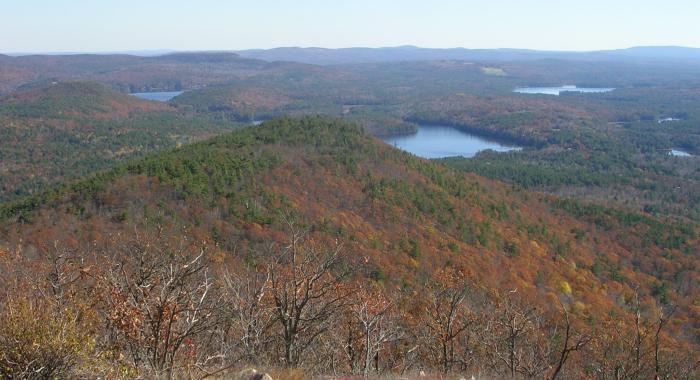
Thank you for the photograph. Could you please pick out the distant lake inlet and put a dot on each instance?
(679, 153)
(556, 91)
(157, 96)
(434, 141)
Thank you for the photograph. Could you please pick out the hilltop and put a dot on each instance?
(74, 100)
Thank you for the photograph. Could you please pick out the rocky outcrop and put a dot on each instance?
(253, 374)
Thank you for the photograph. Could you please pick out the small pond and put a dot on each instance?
(163, 96)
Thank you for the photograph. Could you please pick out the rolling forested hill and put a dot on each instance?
(408, 231)
(127, 73)
(68, 129)
(610, 148)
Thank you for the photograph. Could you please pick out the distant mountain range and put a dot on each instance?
(138, 53)
(321, 56)
(355, 55)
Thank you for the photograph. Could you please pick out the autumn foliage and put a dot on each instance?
(306, 244)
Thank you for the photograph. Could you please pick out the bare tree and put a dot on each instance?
(65, 269)
(514, 339)
(305, 293)
(158, 301)
(663, 319)
(249, 316)
(572, 343)
(371, 311)
(447, 315)
(631, 346)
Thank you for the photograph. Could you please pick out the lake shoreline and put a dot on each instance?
(494, 136)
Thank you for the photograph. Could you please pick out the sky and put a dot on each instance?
(133, 25)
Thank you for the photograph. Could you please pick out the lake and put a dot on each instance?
(157, 96)
(432, 141)
(679, 153)
(558, 90)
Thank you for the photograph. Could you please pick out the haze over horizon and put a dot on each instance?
(41, 26)
(163, 51)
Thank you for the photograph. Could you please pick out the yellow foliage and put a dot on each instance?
(218, 257)
(565, 288)
(536, 249)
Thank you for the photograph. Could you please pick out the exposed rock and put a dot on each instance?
(253, 374)
(247, 374)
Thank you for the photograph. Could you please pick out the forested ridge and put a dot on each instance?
(608, 148)
(306, 244)
(68, 129)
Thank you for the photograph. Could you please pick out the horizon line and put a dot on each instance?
(165, 51)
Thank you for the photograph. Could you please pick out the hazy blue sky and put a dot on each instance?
(111, 25)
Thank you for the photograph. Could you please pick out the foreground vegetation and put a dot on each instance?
(158, 306)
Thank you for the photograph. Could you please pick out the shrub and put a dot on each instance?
(39, 341)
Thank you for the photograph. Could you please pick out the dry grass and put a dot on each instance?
(298, 374)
